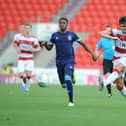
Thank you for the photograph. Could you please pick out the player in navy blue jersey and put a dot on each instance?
(63, 40)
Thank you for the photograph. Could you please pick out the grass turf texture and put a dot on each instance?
(48, 107)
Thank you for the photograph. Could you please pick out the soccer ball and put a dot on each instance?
(41, 84)
(42, 79)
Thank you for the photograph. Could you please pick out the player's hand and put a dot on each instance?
(32, 50)
(44, 43)
(35, 49)
(95, 57)
(100, 56)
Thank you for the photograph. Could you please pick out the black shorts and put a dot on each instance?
(107, 66)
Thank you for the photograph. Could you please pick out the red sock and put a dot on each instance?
(28, 77)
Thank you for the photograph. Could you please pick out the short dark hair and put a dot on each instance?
(63, 18)
(122, 20)
(28, 25)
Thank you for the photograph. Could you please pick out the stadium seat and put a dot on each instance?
(13, 12)
(93, 17)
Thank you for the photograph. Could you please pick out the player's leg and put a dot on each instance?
(108, 67)
(24, 79)
(120, 86)
(69, 68)
(21, 75)
(60, 71)
(119, 66)
(29, 68)
(114, 75)
(28, 80)
(21, 70)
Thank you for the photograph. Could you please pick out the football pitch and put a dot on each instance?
(48, 107)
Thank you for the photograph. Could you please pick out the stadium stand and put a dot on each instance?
(15, 12)
(93, 17)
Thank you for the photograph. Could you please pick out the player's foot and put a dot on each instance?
(101, 83)
(25, 87)
(123, 93)
(109, 95)
(70, 104)
(64, 85)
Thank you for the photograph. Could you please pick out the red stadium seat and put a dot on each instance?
(13, 12)
(93, 17)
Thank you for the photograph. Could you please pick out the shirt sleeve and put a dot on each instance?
(76, 38)
(36, 42)
(99, 45)
(16, 39)
(52, 40)
(114, 32)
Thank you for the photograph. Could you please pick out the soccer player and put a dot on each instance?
(20, 33)
(25, 45)
(63, 40)
(119, 61)
(108, 46)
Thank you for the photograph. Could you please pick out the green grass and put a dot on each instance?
(48, 107)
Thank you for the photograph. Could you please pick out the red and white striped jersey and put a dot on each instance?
(120, 45)
(25, 44)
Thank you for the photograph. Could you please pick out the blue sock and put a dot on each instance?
(70, 90)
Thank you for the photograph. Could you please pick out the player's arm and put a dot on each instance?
(16, 46)
(36, 46)
(87, 48)
(48, 45)
(97, 49)
(97, 53)
(108, 35)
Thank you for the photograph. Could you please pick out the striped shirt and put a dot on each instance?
(25, 44)
(120, 45)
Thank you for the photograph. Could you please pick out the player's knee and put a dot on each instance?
(67, 78)
(119, 86)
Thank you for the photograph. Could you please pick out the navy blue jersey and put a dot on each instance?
(64, 46)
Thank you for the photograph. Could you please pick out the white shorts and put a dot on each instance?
(120, 60)
(25, 65)
(123, 61)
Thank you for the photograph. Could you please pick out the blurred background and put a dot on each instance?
(87, 18)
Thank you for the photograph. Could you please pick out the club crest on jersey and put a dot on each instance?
(57, 38)
(70, 67)
(69, 37)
